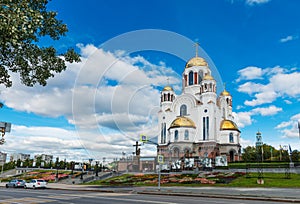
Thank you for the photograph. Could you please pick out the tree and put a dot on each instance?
(22, 24)
(249, 154)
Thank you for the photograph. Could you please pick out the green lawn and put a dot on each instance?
(217, 179)
(270, 180)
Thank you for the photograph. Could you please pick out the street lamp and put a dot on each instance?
(97, 168)
(57, 169)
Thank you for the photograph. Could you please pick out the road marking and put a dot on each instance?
(135, 200)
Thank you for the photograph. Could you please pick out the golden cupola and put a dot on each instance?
(168, 88)
(196, 61)
(208, 77)
(228, 125)
(224, 92)
(182, 121)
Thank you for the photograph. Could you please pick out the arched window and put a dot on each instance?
(200, 74)
(186, 135)
(191, 80)
(176, 152)
(176, 135)
(231, 137)
(183, 110)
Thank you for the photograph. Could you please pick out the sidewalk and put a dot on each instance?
(263, 194)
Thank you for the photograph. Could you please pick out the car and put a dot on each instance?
(36, 183)
(15, 183)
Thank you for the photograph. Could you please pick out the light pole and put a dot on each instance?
(97, 168)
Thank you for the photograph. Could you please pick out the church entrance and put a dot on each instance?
(231, 155)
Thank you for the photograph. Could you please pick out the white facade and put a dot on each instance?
(198, 122)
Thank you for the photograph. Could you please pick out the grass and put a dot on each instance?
(238, 180)
(270, 180)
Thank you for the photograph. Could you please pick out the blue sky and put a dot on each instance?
(98, 107)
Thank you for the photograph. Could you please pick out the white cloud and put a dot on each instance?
(250, 73)
(107, 94)
(288, 102)
(289, 129)
(271, 110)
(256, 2)
(244, 118)
(250, 87)
(288, 38)
(279, 82)
(245, 143)
(286, 84)
(262, 98)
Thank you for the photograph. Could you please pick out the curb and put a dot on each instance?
(237, 197)
(183, 194)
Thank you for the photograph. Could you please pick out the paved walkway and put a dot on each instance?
(270, 194)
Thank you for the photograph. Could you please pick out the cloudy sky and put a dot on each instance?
(97, 108)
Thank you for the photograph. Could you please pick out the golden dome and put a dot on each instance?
(208, 77)
(196, 61)
(182, 122)
(229, 125)
(168, 88)
(225, 93)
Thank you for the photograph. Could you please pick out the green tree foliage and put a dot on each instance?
(269, 154)
(22, 24)
(249, 154)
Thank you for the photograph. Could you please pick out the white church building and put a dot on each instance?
(198, 123)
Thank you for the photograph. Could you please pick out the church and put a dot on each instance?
(198, 123)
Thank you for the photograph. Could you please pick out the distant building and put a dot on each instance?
(3, 157)
(44, 157)
(19, 156)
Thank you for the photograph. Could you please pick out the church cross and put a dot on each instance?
(197, 46)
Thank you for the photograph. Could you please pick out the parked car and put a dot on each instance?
(15, 183)
(36, 183)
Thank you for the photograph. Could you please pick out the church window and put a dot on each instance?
(200, 74)
(186, 135)
(195, 78)
(205, 128)
(176, 152)
(176, 135)
(163, 133)
(169, 99)
(191, 80)
(183, 110)
(231, 137)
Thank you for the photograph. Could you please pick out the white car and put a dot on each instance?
(36, 183)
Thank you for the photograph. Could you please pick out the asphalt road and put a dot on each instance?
(68, 197)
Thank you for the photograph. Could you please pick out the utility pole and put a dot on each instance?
(137, 153)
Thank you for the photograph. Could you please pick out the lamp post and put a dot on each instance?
(57, 169)
(97, 168)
